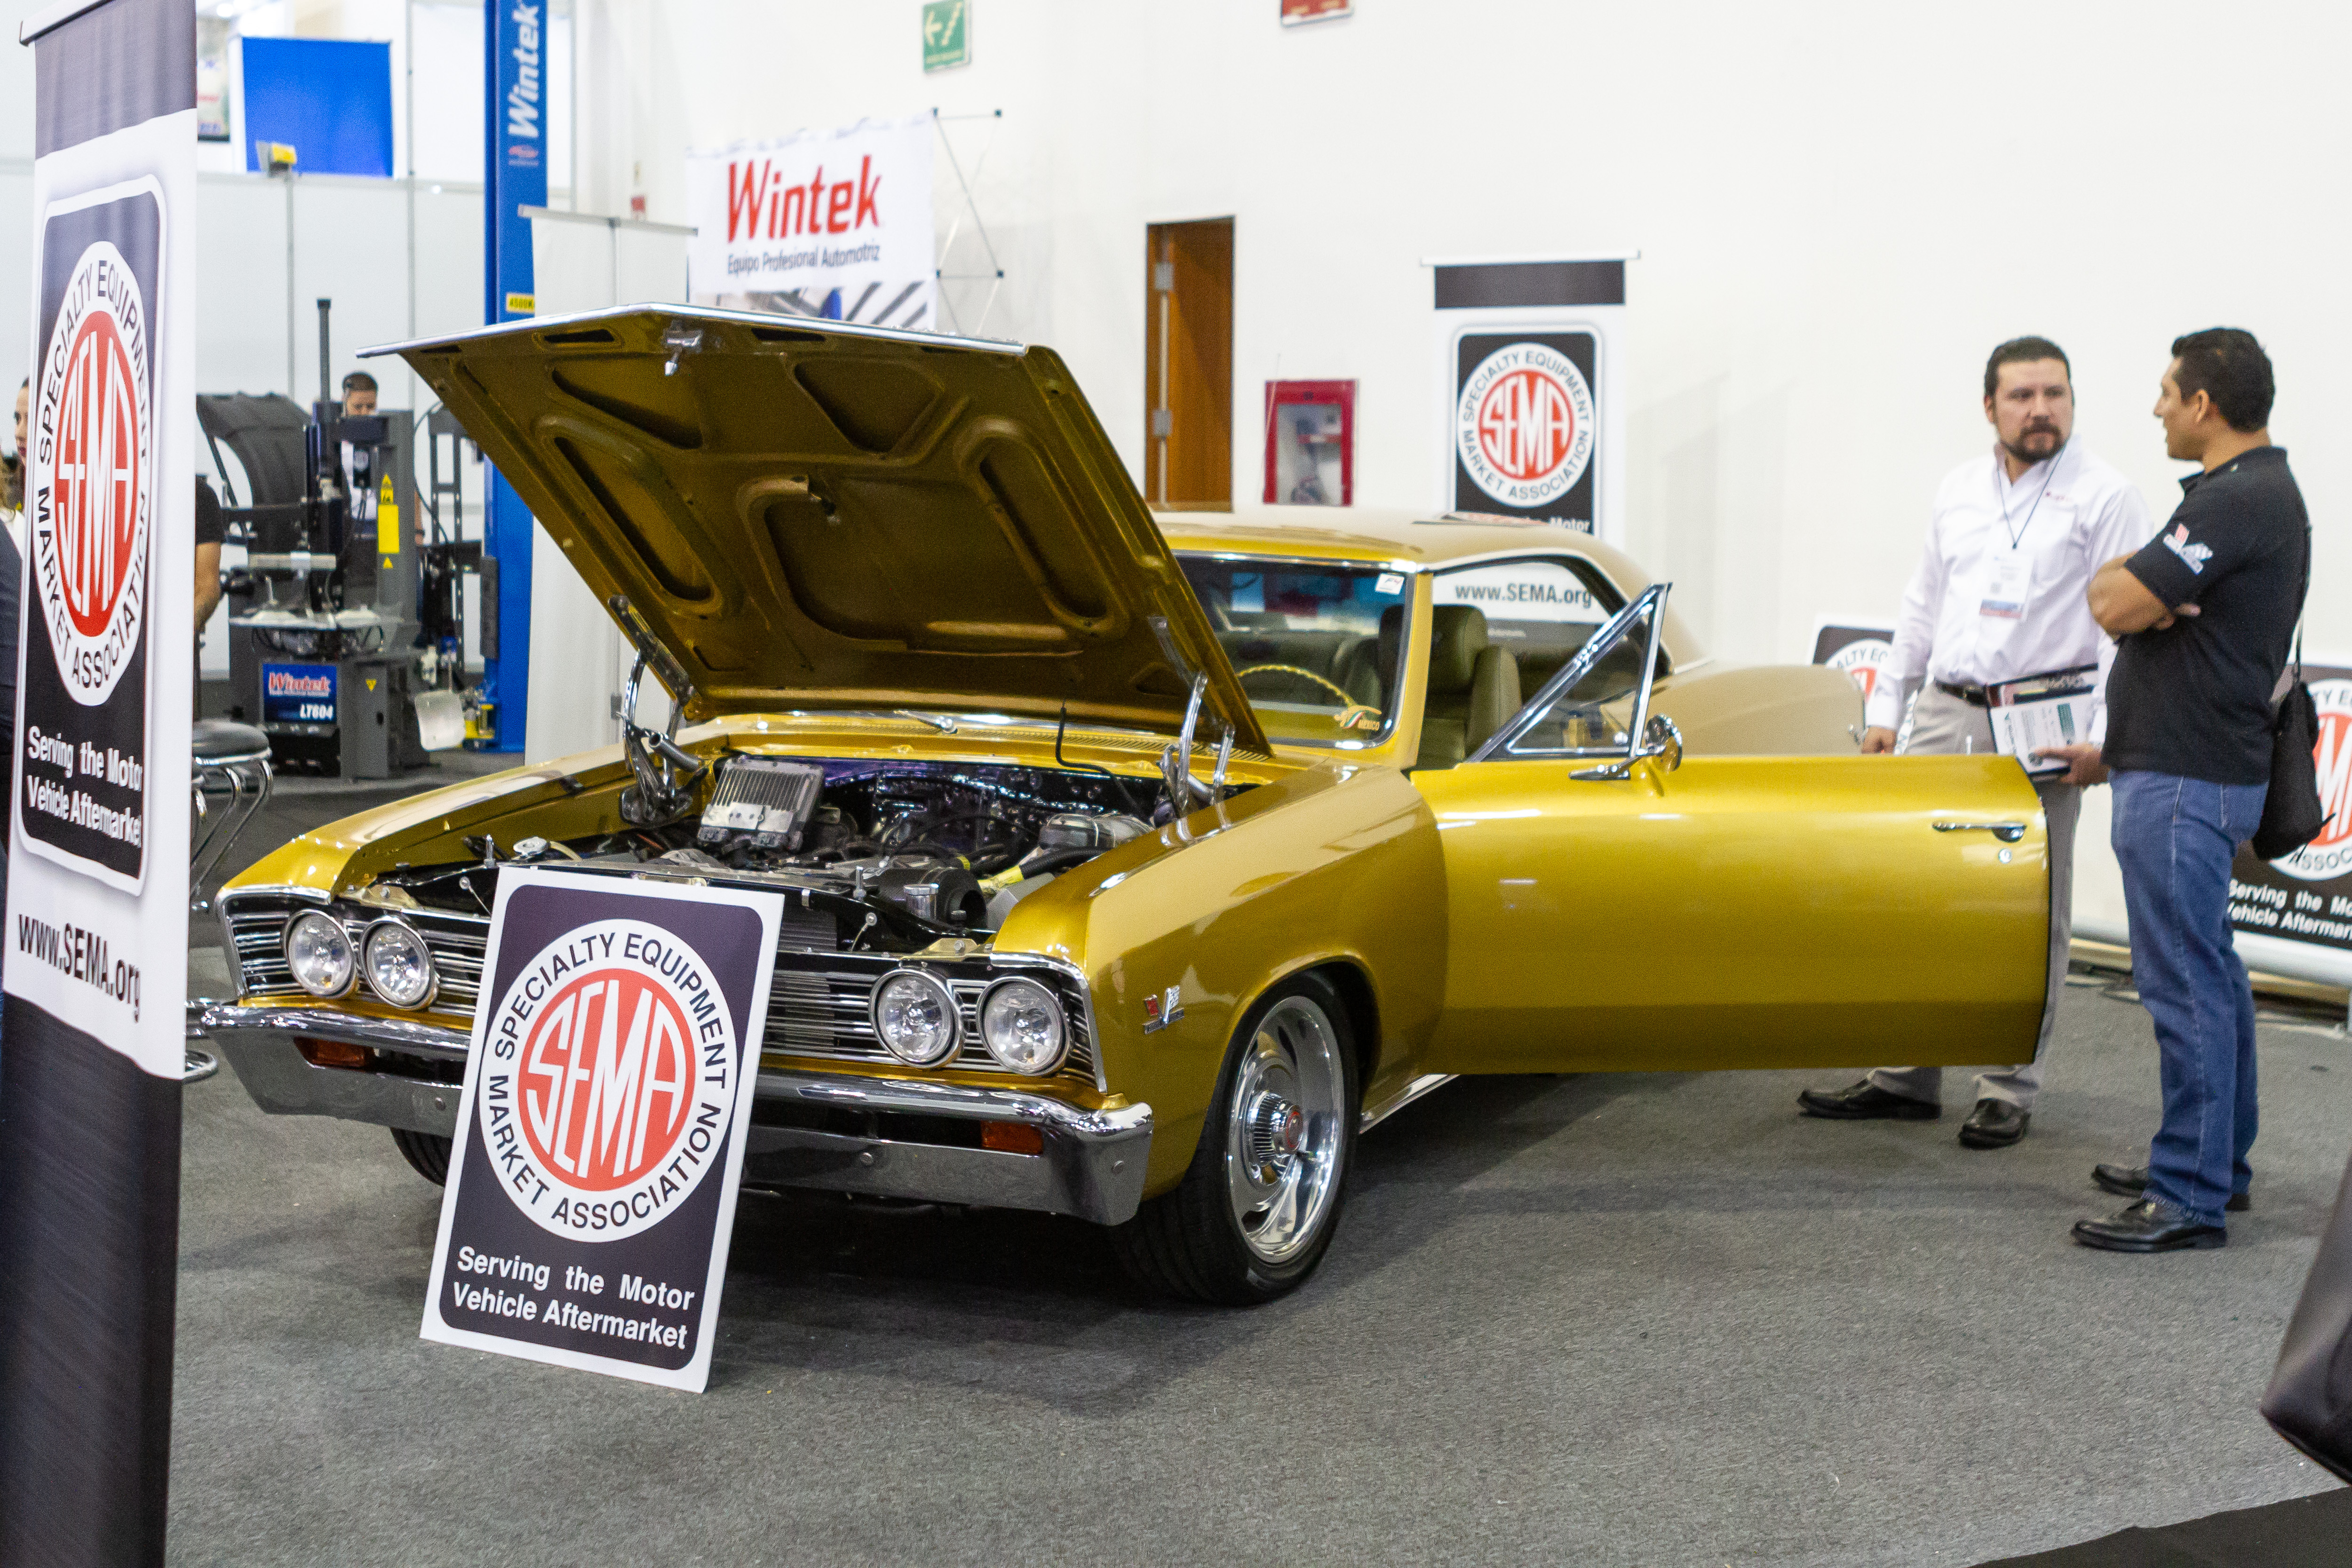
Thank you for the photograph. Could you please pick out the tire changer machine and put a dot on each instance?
(346, 621)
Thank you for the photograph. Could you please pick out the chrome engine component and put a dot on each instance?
(666, 772)
(1069, 836)
(879, 856)
(767, 800)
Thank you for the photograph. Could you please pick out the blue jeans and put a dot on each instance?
(2175, 838)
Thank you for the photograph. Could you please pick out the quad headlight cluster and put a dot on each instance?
(325, 961)
(1022, 1023)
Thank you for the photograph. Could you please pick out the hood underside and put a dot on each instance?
(809, 514)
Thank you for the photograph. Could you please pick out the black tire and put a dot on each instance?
(428, 1154)
(1192, 1242)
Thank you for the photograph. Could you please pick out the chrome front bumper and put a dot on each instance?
(827, 1130)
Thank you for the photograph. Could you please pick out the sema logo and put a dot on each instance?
(2329, 856)
(1523, 425)
(609, 1085)
(91, 497)
(1862, 660)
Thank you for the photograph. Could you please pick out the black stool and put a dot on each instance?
(232, 760)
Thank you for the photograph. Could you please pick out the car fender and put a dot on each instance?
(1179, 932)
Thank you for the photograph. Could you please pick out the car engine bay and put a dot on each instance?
(885, 856)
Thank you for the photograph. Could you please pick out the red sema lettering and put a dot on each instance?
(608, 1079)
(2333, 754)
(1527, 424)
(97, 474)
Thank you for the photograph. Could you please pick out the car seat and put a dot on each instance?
(1474, 686)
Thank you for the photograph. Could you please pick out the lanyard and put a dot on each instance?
(2001, 498)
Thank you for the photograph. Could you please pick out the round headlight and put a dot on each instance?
(915, 1016)
(1022, 1024)
(319, 953)
(399, 964)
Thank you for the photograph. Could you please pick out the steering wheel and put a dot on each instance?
(1353, 712)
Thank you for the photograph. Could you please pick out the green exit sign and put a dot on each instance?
(946, 34)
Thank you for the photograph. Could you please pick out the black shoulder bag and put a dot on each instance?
(2309, 1402)
(2292, 814)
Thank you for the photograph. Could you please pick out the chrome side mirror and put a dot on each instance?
(1661, 742)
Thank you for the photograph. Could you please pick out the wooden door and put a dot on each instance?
(1188, 361)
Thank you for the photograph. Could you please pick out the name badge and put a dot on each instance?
(2009, 576)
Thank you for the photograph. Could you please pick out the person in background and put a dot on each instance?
(1997, 597)
(359, 478)
(2204, 614)
(211, 531)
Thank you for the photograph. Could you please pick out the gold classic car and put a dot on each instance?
(1133, 868)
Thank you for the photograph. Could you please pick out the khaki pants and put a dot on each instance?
(1944, 725)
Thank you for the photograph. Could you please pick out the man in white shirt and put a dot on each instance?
(2000, 595)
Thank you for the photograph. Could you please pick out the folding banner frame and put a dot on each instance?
(992, 273)
(93, 1044)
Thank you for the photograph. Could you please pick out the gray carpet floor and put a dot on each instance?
(1631, 1320)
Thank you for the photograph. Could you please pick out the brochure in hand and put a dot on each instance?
(2034, 711)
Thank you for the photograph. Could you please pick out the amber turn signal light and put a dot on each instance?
(330, 1053)
(1012, 1138)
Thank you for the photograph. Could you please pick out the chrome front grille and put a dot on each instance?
(817, 1003)
(256, 936)
(458, 943)
(256, 941)
(818, 1006)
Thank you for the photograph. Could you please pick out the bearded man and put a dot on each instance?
(2011, 546)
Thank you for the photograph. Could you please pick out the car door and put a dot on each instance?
(1613, 905)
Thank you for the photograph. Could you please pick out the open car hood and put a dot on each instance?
(811, 514)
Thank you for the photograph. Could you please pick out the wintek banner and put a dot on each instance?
(1531, 361)
(600, 1142)
(836, 224)
(514, 37)
(97, 875)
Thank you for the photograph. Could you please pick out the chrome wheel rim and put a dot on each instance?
(1285, 1129)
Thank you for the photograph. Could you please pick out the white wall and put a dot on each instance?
(447, 86)
(1840, 208)
(579, 660)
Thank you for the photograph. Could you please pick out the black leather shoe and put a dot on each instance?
(1864, 1102)
(1994, 1124)
(2131, 1181)
(2149, 1227)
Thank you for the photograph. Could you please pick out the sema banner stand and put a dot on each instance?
(600, 1142)
(1862, 652)
(2293, 916)
(1532, 372)
(92, 1038)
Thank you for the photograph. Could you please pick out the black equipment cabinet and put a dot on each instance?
(324, 616)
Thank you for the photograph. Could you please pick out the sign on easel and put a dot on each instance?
(600, 1142)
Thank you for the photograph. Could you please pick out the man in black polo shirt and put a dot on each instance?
(2203, 614)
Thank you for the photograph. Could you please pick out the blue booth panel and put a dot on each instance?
(330, 99)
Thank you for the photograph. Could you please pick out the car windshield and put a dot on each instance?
(1314, 646)
(1539, 608)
